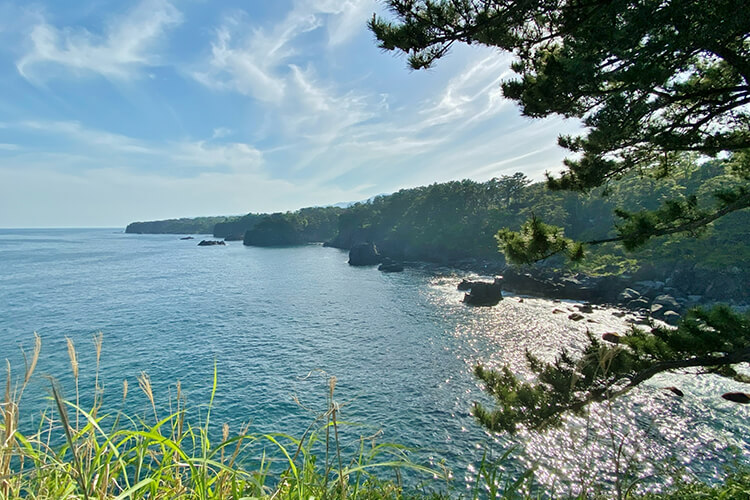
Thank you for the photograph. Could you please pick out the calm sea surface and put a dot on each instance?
(278, 322)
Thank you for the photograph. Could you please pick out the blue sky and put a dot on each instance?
(114, 111)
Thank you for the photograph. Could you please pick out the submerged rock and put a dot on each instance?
(675, 391)
(187, 238)
(585, 308)
(208, 243)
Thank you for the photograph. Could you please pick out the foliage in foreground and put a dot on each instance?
(735, 487)
(714, 340)
(87, 454)
(655, 83)
(77, 453)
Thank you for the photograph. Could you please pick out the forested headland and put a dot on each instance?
(456, 223)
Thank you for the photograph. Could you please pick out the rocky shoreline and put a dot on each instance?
(665, 299)
(661, 292)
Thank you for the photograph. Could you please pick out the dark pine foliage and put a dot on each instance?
(656, 83)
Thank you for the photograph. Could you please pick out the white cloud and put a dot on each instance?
(275, 68)
(249, 70)
(116, 196)
(105, 147)
(346, 17)
(123, 47)
(471, 95)
(237, 156)
(95, 138)
(221, 132)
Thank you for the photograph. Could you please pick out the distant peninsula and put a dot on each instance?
(196, 225)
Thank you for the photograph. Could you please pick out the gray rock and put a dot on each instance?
(671, 317)
(465, 285)
(638, 304)
(484, 294)
(576, 317)
(585, 308)
(611, 337)
(364, 254)
(667, 301)
(627, 295)
(650, 284)
(657, 310)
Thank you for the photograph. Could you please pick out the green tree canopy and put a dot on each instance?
(655, 83)
(651, 80)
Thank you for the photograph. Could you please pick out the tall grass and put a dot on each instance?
(95, 453)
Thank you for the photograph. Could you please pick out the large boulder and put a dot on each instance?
(627, 295)
(526, 283)
(364, 254)
(638, 304)
(667, 301)
(484, 293)
(671, 318)
(465, 285)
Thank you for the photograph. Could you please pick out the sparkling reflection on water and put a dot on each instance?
(649, 434)
(402, 346)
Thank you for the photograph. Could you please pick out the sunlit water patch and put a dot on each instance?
(279, 322)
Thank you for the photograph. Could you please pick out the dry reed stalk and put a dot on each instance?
(144, 382)
(9, 406)
(180, 414)
(98, 340)
(9, 412)
(74, 366)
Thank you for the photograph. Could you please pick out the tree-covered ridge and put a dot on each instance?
(652, 81)
(458, 220)
(196, 225)
(307, 225)
(447, 222)
(235, 228)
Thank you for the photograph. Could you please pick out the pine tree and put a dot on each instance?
(652, 81)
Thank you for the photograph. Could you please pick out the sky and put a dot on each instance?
(121, 111)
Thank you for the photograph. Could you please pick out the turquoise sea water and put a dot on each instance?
(279, 321)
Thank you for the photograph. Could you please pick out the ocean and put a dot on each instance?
(277, 323)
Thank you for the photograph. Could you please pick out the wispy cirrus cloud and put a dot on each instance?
(281, 105)
(273, 66)
(91, 146)
(122, 48)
